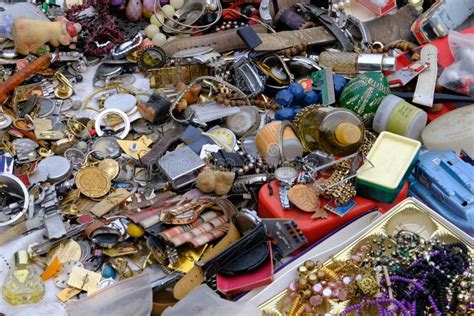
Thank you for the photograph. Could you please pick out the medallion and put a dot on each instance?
(93, 182)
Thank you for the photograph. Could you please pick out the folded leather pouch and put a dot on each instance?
(245, 255)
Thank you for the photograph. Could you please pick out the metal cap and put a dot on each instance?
(21, 257)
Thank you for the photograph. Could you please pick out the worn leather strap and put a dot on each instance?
(92, 227)
(196, 275)
(162, 145)
(282, 40)
(220, 41)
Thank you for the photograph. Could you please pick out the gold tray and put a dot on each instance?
(409, 215)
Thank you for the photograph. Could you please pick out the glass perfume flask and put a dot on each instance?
(23, 284)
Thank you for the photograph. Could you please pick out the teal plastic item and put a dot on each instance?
(393, 158)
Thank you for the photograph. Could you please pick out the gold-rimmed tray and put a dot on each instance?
(409, 215)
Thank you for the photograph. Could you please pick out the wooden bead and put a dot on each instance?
(226, 102)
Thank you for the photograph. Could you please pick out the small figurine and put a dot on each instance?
(29, 35)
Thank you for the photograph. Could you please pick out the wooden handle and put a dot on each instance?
(15, 80)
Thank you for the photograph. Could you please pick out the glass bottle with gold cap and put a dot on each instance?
(337, 131)
(23, 284)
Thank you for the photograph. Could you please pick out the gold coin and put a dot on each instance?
(93, 182)
(304, 198)
(110, 166)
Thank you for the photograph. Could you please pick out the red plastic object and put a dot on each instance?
(391, 4)
(314, 229)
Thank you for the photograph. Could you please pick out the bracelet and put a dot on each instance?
(197, 80)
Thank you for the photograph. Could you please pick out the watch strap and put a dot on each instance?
(162, 145)
(92, 227)
(322, 17)
(282, 40)
(425, 86)
(196, 275)
(219, 41)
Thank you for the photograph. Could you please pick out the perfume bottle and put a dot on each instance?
(23, 284)
(337, 131)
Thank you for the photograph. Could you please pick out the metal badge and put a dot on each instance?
(93, 182)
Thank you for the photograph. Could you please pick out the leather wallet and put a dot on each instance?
(246, 254)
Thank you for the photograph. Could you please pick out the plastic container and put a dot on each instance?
(269, 206)
(269, 143)
(400, 117)
(452, 131)
(393, 157)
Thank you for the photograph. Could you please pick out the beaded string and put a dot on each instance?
(415, 283)
(379, 302)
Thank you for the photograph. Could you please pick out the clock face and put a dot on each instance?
(225, 136)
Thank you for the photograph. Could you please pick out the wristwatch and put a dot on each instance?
(286, 177)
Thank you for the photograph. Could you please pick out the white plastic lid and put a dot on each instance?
(417, 125)
(451, 131)
(384, 111)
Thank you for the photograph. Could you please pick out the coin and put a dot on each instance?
(110, 166)
(93, 182)
(304, 198)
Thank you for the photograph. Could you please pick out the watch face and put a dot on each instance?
(152, 57)
(286, 174)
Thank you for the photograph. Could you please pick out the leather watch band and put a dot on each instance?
(220, 41)
(162, 145)
(286, 39)
(196, 275)
(92, 227)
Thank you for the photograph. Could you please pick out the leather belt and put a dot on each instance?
(220, 41)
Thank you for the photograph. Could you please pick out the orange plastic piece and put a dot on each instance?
(51, 270)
